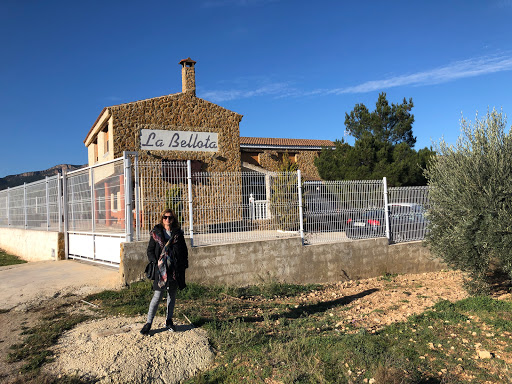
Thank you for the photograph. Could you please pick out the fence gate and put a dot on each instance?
(97, 217)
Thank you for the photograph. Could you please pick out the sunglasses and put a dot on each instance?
(166, 218)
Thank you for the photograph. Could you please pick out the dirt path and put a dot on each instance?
(23, 286)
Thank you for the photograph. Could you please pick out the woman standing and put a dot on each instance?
(166, 248)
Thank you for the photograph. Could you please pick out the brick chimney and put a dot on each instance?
(188, 76)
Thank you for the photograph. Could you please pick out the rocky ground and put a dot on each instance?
(113, 350)
(381, 301)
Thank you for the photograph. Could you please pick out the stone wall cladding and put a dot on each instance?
(270, 160)
(188, 79)
(306, 162)
(183, 112)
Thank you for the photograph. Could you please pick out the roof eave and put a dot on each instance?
(294, 147)
(100, 121)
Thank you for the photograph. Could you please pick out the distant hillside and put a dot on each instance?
(28, 177)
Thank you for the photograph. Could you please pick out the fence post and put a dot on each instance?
(8, 207)
(386, 208)
(137, 203)
(59, 200)
(128, 197)
(299, 190)
(93, 202)
(25, 203)
(47, 205)
(190, 213)
(65, 213)
(252, 210)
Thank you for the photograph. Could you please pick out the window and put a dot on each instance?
(104, 132)
(95, 146)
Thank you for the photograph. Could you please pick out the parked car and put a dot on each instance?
(322, 209)
(406, 221)
(364, 224)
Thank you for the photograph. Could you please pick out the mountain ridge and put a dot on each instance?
(11, 181)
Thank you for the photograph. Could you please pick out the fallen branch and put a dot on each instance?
(86, 302)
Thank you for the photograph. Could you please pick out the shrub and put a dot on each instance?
(284, 196)
(174, 201)
(471, 195)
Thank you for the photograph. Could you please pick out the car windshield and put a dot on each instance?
(401, 210)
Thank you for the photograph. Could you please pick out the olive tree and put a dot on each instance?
(471, 195)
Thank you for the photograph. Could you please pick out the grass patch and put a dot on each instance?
(35, 348)
(388, 277)
(268, 332)
(135, 299)
(7, 259)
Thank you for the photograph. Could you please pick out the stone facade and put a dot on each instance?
(306, 163)
(179, 112)
(271, 160)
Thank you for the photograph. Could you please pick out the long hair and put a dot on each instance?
(174, 220)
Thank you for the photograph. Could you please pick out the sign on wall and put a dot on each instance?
(163, 140)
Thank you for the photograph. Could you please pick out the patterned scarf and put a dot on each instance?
(166, 258)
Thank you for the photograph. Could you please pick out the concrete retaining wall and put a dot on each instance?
(32, 245)
(288, 261)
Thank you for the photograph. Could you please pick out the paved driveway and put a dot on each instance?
(24, 284)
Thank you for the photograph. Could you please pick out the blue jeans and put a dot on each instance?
(171, 301)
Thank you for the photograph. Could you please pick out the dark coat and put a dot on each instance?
(179, 249)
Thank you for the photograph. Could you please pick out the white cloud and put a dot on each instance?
(453, 71)
(234, 3)
(276, 89)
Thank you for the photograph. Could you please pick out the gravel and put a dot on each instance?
(113, 351)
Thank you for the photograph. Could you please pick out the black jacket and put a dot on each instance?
(179, 249)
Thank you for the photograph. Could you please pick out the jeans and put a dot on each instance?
(157, 296)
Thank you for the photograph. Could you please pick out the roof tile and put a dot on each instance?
(285, 142)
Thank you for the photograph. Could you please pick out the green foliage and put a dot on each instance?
(471, 194)
(173, 199)
(286, 165)
(371, 159)
(383, 147)
(7, 259)
(284, 189)
(389, 124)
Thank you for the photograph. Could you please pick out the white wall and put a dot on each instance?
(32, 245)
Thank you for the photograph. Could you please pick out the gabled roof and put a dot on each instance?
(276, 143)
(108, 109)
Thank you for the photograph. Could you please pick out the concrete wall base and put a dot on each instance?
(286, 260)
(31, 245)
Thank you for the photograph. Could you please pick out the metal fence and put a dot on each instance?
(342, 210)
(160, 185)
(233, 207)
(96, 199)
(215, 207)
(32, 206)
(218, 207)
(407, 213)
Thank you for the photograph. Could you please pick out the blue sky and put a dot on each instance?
(291, 67)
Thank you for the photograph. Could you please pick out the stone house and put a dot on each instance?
(180, 127)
